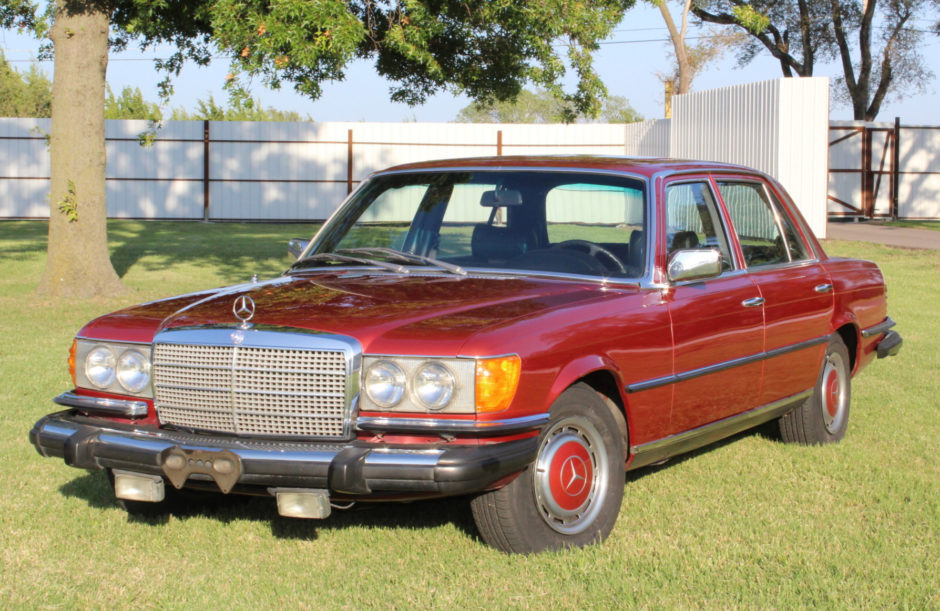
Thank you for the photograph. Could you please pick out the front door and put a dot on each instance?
(717, 323)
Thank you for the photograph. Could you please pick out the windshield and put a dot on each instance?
(559, 222)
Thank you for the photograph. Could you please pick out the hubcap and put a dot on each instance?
(570, 475)
(834, 398)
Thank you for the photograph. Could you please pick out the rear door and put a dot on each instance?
(795, 287)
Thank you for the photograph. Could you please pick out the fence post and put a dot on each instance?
(499, 143)
(349, 162)
(896, 168)
(205, 170)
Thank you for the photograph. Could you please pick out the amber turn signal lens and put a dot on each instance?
(72, 361)
(496, 381)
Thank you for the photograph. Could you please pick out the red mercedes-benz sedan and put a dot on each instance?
(519, 330)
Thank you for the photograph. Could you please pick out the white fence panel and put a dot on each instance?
(779, 127)
(648, 138)
(24, 168)
(919, 188)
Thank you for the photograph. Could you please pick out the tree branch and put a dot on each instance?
(777, 46)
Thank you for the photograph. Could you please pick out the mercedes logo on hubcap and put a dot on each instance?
(573, 475)
(244, 310)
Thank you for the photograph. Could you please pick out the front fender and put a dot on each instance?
(581, 367)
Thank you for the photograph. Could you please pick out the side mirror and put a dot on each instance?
(694, 264)
(295, 246)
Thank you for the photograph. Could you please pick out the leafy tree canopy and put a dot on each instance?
(876, 42)
(487, 49)
(130, 104)
(238, 109)
(542, 107)
(24, 94)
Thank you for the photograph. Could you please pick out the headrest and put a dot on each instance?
(503, 197)
(489, 242)
(684, 240)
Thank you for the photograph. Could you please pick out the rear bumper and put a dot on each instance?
(349, 469)
(890, 345)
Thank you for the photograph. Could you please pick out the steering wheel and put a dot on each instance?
(604, 256)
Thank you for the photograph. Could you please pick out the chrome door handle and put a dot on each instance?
(823, 288)
(753, 302)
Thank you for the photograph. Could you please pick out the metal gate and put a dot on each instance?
(861, 156)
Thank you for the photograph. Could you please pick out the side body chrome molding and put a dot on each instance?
(655, 451)
(701, 371)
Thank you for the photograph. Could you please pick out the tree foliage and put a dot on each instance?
(130, 104)
(876, 42)
(542, 107)
(689, 59)
(238, 109)
(24, 94)
(488, 49)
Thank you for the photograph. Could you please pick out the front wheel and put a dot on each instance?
(571, 493)
(824, 416)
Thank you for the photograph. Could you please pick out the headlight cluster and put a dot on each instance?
(456, 386)
(113, 367)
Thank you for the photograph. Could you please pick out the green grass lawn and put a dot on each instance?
(746, 523)
(934, 225)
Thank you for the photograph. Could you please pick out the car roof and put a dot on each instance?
(644, 166)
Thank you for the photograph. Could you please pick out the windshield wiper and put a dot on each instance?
(332, 256)
(406, 257)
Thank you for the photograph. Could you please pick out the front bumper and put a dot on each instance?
(348, 469)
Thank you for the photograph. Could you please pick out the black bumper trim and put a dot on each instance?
(346, 468)
(890, 345)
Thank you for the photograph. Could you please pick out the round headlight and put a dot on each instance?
(99, 366)
(433, 386)
(384, 383)
(133, 371)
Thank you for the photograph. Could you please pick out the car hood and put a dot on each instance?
(413, 314)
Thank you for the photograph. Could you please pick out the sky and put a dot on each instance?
(627, 63)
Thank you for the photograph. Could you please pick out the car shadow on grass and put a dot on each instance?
(95, 489)
(768, 431)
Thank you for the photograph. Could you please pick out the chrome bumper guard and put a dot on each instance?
(345, 468)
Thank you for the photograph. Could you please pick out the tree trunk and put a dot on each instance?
(78, 263)
(683, 65)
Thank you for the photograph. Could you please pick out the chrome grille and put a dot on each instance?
(248, 389)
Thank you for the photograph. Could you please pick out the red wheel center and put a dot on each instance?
(571, 475)
(832, 394)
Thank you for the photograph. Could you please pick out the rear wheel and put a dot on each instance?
(571, 494)
(824, 416)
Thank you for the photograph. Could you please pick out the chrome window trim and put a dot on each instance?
(715, 368)
(737, 266)
(123, 408)
(437, 425)
(775, 211)
(659, 449)
(272, 336)
(644, 280)
(879, 328)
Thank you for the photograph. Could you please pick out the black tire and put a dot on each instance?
(538, 510)
(824, 416)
